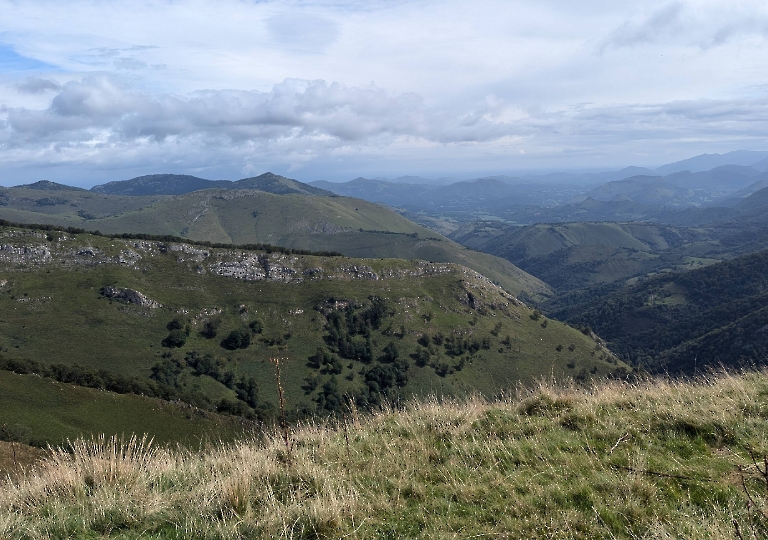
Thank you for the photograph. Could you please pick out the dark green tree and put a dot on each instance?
(176, 338)
(238, 338)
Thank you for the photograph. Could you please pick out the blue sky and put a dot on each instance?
(12, 62)
(98, 91)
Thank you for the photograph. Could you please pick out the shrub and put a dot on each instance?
(237, 339)
(176, 338)
(210, 329)
(175, 324)
(256, 326)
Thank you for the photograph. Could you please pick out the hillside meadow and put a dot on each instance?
(198, 324)
(354, 227)
(651, 459)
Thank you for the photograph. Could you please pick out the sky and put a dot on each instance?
(98, 90)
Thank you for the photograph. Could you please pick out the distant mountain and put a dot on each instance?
(642, 189)
(735, 198)
(626, 172)
(420, 180)
(45, 185)
(590, 178)
(570, 256)
(631, 193)
(756, 202)
(158, 184)
(719, 179)
(679, 189)
(612, 176)
(761, 165)
(488, 192)
(179, 184)
(706, 162)
(279, 185)
(380, 191)
(464, 196)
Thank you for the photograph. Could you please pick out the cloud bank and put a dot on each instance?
(337, 89)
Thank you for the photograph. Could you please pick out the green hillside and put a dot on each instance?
(41, 411)
(617, 461)
(178, 184)
(166, 313)
(708, 316)
(351, 226)
(571, 256)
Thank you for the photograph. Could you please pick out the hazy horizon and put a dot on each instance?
(321, 90)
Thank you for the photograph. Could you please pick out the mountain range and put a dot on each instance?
(178, 184)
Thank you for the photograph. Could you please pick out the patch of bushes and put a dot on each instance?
(239, 338)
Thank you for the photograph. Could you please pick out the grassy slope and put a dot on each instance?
(42, 411)
(248, 216)
(53, 313)
(655, 460)
(17, 457)
(570, 256)
(706, 316)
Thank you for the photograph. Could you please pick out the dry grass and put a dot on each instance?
(16, 458)
(658, 459)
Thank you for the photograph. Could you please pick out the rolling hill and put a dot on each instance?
(39, 411)
(571, 256)
(708, 316)
(248, 216)
(179, 184)
(199, 324)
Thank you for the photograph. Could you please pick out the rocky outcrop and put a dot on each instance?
(24, 254)
(129, 295)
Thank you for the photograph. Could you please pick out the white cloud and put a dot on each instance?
(702, 24)
(37, 85)
(298, 110)
(326, 85)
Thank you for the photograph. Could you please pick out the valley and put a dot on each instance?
(188, 289)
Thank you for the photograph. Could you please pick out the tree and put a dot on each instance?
(238, 338)
(210, 328)
(176, 324)
(176, 338)
(390, 352)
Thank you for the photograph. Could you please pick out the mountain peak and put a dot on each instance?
(279, 185)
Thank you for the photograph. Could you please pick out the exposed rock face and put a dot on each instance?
(129, 295)
(24, 254)
(248, 268)
(24, 247)
(358, 272)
